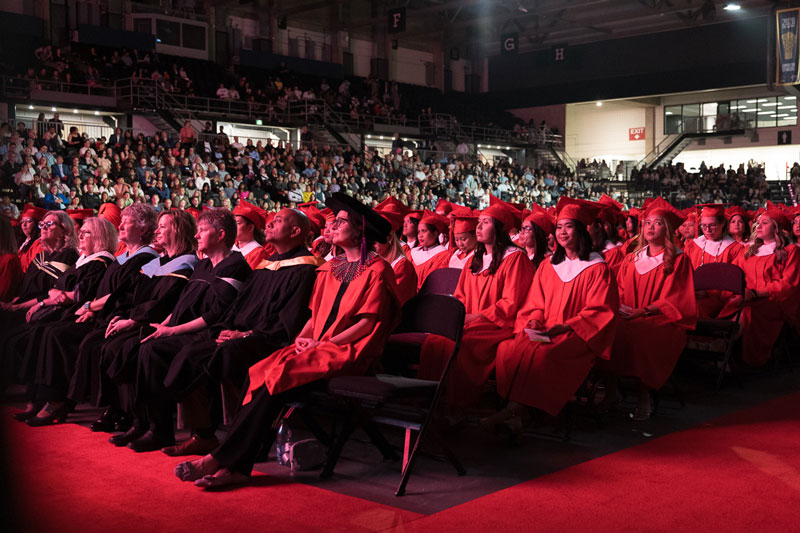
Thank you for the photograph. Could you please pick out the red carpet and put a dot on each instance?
(739, 473)
(66, 478)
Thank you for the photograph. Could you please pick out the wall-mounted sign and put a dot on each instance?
(635, 134)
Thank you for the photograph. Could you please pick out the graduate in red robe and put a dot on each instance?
(353, 310)
(111, 212)
(713, 246)
(738, 225)
(462, 245)
(391, 251)
(772, 269)
(492, 288)
(606, 244)
(32, 245)
(429, 230)
(572, 303)
(657, 307)
(410, 223)
(536, 228)
(250, 223)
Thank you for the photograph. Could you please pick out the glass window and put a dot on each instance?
(168, 32)
(786, 111)
(672, 119)
(194, 37)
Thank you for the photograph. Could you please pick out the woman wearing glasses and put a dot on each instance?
(713, 246)
(97, 240)
(353, 308)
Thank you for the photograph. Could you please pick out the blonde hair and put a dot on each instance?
(781, 240)
(395, 250)
(104, 234)
(670, 251)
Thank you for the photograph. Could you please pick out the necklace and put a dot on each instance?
(345, 272)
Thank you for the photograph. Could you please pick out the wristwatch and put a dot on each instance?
(86, 306)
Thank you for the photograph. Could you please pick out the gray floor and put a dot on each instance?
(495, 462)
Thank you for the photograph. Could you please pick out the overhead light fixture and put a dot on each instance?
(30, 107)
(479, 146)
(522, 8)
(508, 148)
(53, 109)
(369, 136)
(75, 111)
(96, 113)
(599, 104)
(732, 6)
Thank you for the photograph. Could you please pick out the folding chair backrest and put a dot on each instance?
(719, 277)
(433, 313)
(441, 281)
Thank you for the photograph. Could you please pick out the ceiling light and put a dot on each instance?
(508, 148)
(730, 6)
(53, 109)
(75, 111)
(30, 107)
(599, 104)
(96, 113)
(668, 113)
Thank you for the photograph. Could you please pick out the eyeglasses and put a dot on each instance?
(47, 224)
(338, 222)
(84, 233)
(526, 229)
(708, 226)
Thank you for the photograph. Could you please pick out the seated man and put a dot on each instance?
(269, 312)
(214, 285)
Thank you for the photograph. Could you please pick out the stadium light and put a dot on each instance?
(731, 6)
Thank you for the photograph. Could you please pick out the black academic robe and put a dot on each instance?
(56, 346)
(273, 304)
(209, 294)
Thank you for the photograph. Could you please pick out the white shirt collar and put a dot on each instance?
(246, 248)
(714, 248)
(766, 249)
(420, 256)
(83, 259)
(487, 258)
(569, 269)
(456, 262)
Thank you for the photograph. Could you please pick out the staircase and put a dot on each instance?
(780, 192)
(669, 148)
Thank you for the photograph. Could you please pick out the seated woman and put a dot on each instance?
(738, 225)
(10, 266)
(463, 244)
(713, 246)
(250, 241)
(533, 237)
(688, 230)
(657, 307)
(611, 251)
(570, 309)
(410, 223)
(772, 270)
(353, 310)
(32, 245)
(430, 227)
(323, 246)
(57, 256)
(391, 252)
(60, 341)
(492, 290)
(47, 379)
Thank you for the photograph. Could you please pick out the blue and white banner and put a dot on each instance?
(788, 24)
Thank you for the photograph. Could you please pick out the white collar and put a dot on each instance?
(420, 256)
(83, 259)
(457, 262)
(644, 263)
(609, 246)
(568, 269)
(487, 258)
(397, 260)
(766, 249)
(714, 248)
(247, 248)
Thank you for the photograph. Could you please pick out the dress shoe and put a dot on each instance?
(124, 438)
(54, 415)
(150, 442)
(105, 423)
(30, 411)
(123, 423)
(195, 445)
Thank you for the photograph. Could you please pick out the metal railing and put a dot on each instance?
(62, 128)
(20, 87)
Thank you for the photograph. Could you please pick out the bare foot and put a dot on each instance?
(194, 470)
(222, 478)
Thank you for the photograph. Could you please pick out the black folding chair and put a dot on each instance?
(401, 401)
(718, 277)
(441, 281)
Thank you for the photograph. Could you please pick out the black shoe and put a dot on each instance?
(105, 423)
(123, 423)
(29, 412)
(150, 442)
(55, 415)
(124, 438)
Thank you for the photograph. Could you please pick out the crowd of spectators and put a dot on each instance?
(76, 172)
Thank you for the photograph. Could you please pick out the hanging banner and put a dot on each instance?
(788, 23)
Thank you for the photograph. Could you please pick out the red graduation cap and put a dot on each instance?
(251, 212)
(583, 211)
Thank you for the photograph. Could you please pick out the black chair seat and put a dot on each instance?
(380, 388)
(412, 339)
(714, 325)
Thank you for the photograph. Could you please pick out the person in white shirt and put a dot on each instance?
(222, 92)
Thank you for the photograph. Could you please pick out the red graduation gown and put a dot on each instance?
(372, 294)
(762, 320)
(496, 298)
(613, 258)
(406, 277)
(649, 347)
(425, 265)
(546, 375)
(26, 257)
(699, 251)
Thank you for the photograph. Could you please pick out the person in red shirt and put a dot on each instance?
(250, 240)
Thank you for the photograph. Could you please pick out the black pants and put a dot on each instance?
(252, 427)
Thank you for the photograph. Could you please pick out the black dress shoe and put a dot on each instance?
(123, 423)
(29, 412)
(105, 423)
(124, 438)
(150, 442)
(55, 415)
